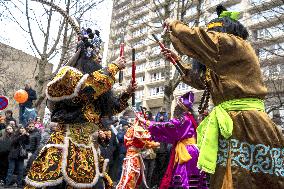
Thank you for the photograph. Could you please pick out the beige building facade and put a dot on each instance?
(17, 68)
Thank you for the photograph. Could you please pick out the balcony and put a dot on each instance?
(155, 82)
(265, 41)
(258, 6)
(141, 3)
(264, 22)
(155, 67)
(141, 11)
(271, 60)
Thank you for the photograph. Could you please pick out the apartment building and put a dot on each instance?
(133, 22)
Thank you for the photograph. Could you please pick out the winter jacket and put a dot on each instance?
(120, 138)
(18, 141)
(35, 137)
(164, 114)
(5, 142)
(32, 96)
(107, 151)
(7, 120)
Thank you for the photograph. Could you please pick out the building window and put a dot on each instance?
(157, 76)
(182, 86)
(139, 94)
(140, 80)
(157, 91)
(271, 51)
(139, 68)
(140, 55)
(156, 50)
(267, 33)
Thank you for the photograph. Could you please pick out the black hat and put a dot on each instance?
(227, 22)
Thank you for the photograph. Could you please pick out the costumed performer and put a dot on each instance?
(182, 171)
(78, 96)
(239, 144)
(136, 139)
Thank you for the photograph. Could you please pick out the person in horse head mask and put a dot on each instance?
(239, 144)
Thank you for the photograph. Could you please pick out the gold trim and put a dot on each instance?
(214, 24)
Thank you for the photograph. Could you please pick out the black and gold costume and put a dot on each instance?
(71, 155)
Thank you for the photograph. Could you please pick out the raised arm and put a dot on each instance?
(121, 102)
(164, 131)
(195, 42)
(192, 77)
(70, 82)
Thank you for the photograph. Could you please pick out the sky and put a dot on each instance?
(12, 35)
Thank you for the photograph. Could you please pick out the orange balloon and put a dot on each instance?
(21, 96)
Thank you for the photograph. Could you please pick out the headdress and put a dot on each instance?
(227, 22)
(88, 47)
(186, 101)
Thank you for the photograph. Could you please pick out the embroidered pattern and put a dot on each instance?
(90, 114)
(64, 83)
(99, 82)
(47, 166)
(57, 137)
(80, 133)
(257, 158)
(80, 164)
(112, 69)
(70, 156)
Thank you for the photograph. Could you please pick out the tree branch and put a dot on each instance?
(30, 31)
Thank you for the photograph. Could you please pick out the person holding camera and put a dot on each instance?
(17, 156)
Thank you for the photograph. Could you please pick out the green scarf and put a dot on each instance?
(219, 120)
(231, 14)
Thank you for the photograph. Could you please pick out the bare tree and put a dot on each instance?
(56, 35)
(268, 29)
(164, 11)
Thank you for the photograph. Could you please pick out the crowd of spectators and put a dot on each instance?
(20, 144)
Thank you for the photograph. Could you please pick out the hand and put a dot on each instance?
(131, 88)
(156, 145)
(108, 134)
(23, 131)
(168, 22)
(140, 119)
(169, 53)
(101, 135)
(120, 62)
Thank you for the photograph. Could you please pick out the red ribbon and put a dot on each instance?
(133, 67)
(121, 53)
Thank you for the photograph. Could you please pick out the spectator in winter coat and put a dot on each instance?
(162, 116)
(28, 104)
(35, 137)
(2, 122)
(16, 158)
(38, 124)
(46, 134)
(121, 148)
(9, 117)
(162, 153)
(5, 146)
(108, 150)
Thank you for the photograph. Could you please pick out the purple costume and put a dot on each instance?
(176, 131)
